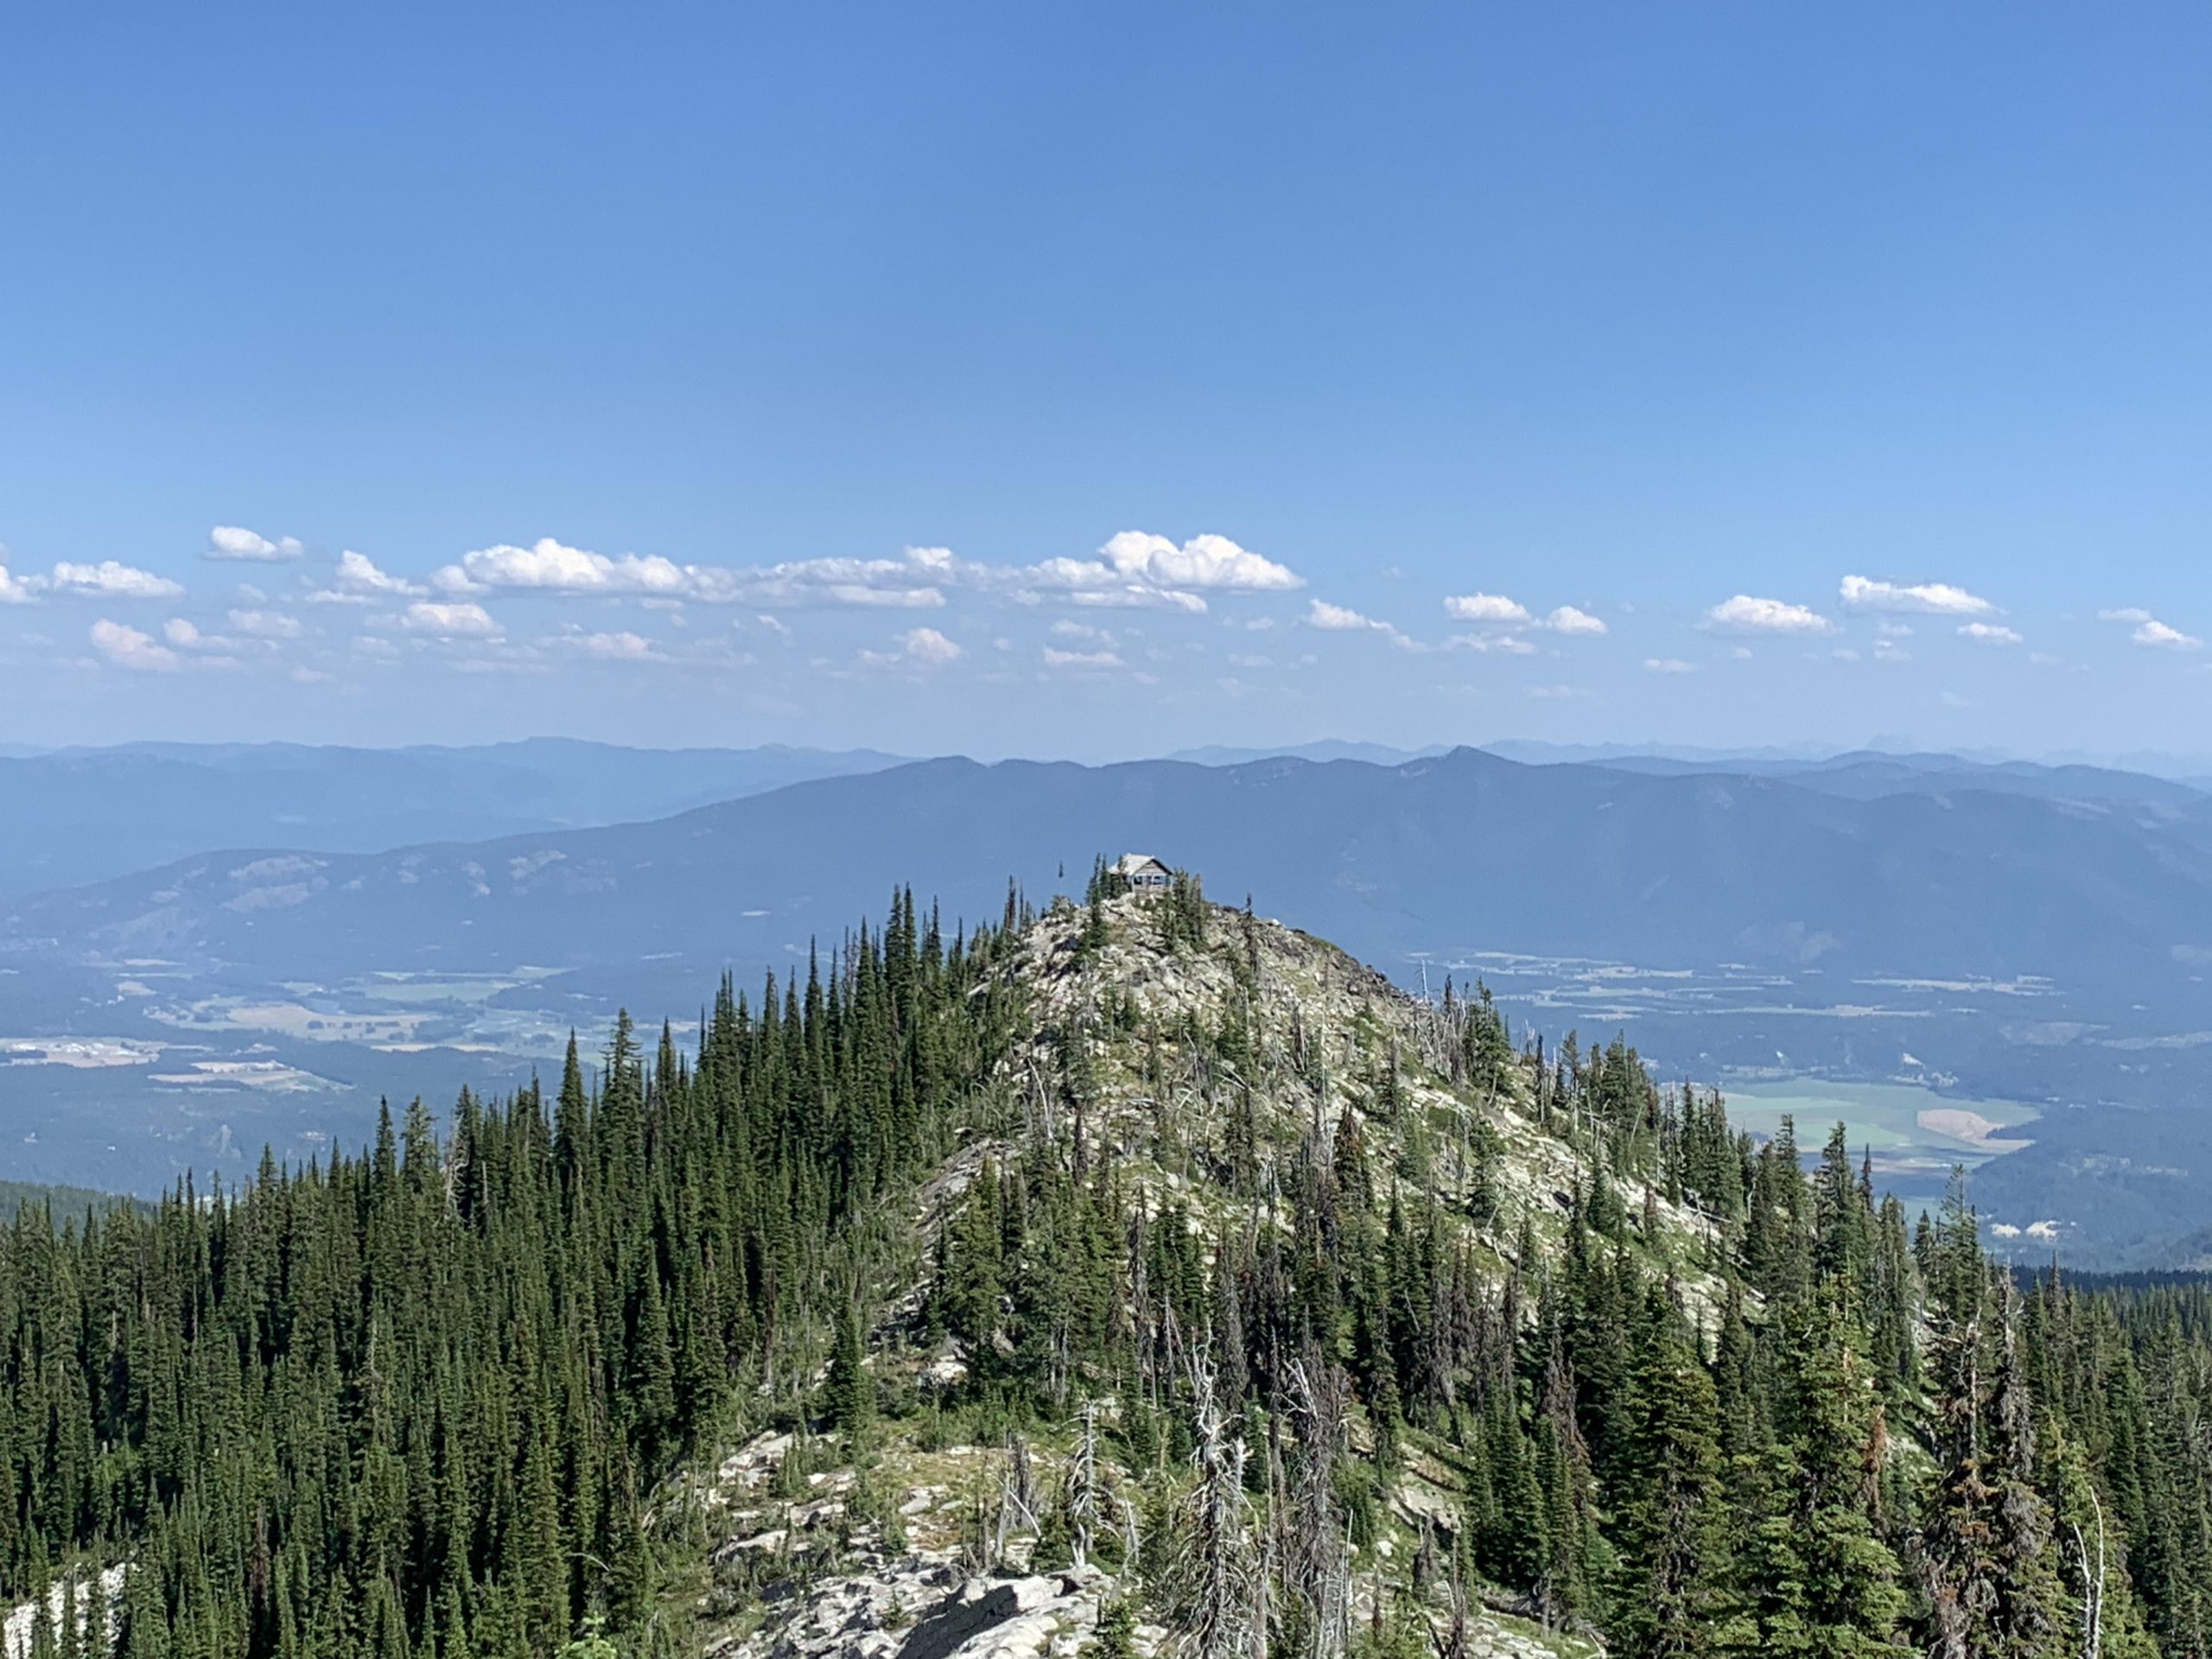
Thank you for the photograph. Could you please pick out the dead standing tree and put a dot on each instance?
(1220, 1589)
(1319, 1562)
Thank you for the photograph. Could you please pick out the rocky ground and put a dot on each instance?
(926, 1550)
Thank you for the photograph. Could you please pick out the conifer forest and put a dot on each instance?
(1294, 1315)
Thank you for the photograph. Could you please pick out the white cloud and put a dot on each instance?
(2149, 631)
(1202, 561)
(1568, 619)
(1667, 665)
(267, 625)
(1746, 614)
(1340, 618)
(1134, 569)
(1886, 649)
(1139, 599)
(1988, 634)
(1511, 645)
(357, 581)
(13, 590)
(2157, 633)
(1082, 659)
(126, 647)
(235, 542)
(916, 648)
(1067, 628)
(928, 646)
(106, 580)
(1494, 608)
(618, 647)
(448, 621)
(549, 566)
(1337, 618)
(207, 648)
(1933, 598)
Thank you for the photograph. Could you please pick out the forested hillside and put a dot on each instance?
(1138, 1273)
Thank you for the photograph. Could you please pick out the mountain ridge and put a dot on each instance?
(1590, 861)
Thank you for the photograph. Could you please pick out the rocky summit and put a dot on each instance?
(1197, 1076)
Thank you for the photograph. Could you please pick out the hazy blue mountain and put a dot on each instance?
(1534, 752)
(1990, 940)
(1463, 852)
(1867, 774)
(82, 815)
(1379, 754)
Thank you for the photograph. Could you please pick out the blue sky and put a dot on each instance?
(728, 375)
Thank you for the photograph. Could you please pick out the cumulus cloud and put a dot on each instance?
(1988, 634)
(126, 647)
(236, 542)
(1667, 665)
(1134, 569)
(2149, 631)
(1511, 645)
(1137, 570)
(106, 580)
(622, 646)
(1492, 608)
(448, 621)
(1568, 619)
(928, 646)
(267, 625)
(1933, 598)
(1203, 562)
(212, 650)
(1746, 614)
(357, 581)
(916, 648)
(1140, 598)
(551, 567)
(13, 591)
(1057, 658)
(2158, 633)
(916, 580)
(1340, 618)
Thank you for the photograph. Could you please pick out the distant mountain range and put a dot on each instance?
(2039, 933)
(73, 816)
(1990, 876)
